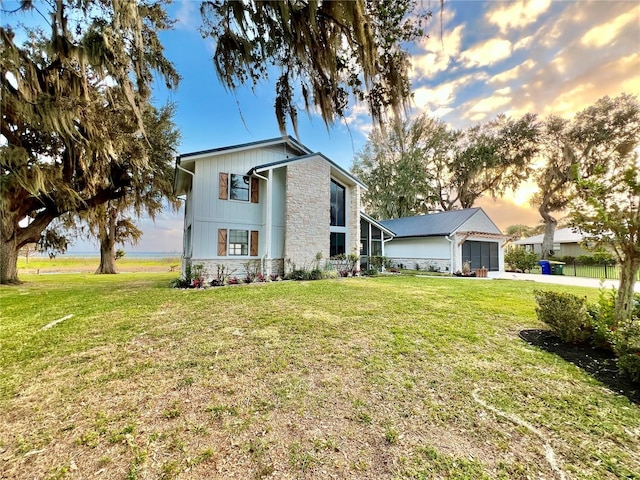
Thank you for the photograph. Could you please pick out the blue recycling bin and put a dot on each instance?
(545, 266)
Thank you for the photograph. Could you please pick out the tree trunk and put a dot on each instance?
(8, 262)
(624, 301)
(549, 232)
(108, 244)
(12, 239)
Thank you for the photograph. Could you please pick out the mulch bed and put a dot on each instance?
(599, 363)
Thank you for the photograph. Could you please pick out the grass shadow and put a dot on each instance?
(599, 363)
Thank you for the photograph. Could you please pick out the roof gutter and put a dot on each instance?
(178, 167)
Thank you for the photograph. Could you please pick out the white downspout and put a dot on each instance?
(184, 227)
(384, 254)
(452, 243)
(267, 249)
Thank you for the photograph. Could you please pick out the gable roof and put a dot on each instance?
(376, 223)
(286, 161)
(181, 178)
(285, 140)
(561, 235)
(431, 225)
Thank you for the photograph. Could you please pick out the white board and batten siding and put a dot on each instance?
(479, 222)
(212, 213)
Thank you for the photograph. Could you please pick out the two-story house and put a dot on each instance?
(274, 201)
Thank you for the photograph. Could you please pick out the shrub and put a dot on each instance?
(626, 344)
(298, 274)
(566, 315)
(629, 365)
(376, 262)
(316, 274)
(602, 320)
(519, 258)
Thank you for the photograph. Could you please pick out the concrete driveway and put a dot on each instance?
(559, 279)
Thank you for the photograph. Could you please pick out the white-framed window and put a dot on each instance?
(240, 187)
(238, 242)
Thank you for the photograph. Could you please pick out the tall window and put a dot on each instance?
(337, 244)
(239, 187)
(337, 205)
(238, 242)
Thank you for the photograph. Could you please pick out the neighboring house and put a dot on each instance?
(566, 242)
(445, 241)
(273, 201)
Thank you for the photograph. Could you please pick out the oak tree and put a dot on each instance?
(63, 92)
(607, 203)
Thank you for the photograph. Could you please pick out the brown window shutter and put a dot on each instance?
(222, 242)
(223, 186)
(254, 243)
(255, 190)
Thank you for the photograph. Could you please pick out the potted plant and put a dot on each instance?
(482, 272)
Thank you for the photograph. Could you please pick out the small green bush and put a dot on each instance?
(602, 319)
(626, 339)
(566, 315)
(519, 258)
(316, 274)
(629, 365)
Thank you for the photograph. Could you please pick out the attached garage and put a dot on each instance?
(444, 241)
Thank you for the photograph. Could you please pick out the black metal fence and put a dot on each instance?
(607, 270)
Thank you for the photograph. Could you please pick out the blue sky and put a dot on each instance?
(544, 57)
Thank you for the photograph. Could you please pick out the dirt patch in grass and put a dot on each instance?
(599, 363)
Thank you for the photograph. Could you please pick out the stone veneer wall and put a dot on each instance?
(353, 221)
(235, 268)
(439, 264)
(307, 213)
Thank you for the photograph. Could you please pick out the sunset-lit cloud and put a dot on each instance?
(437, 53)
(513, 73)
(482, 109)
(608, 33)
(487, 53)
(515, 15)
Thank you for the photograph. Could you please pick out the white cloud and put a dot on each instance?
(358, 118)
(516, 15)
(429, 98)
(487, 53)
(188, 15)
(490, 104)
(513, 73)
(438, 54)
(523, 43)
(607, 33)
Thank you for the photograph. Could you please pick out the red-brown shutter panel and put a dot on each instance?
(254, 243)
(255, 190)
(223, 186)
(222, 242)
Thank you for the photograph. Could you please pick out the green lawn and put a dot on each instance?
(387, 377)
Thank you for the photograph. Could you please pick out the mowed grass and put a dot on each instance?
(374, 378)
